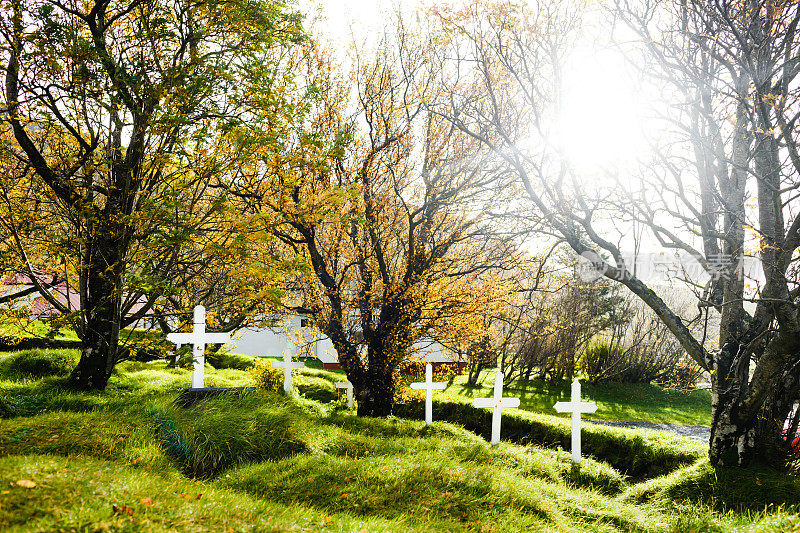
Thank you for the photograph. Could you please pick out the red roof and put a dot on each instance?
(71, 299)
(20, 278)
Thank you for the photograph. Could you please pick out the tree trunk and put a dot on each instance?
(376, 396)
(737, 440)
(733, 442)
(100, 306)
(755, 441)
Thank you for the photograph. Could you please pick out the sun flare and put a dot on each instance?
(600, 124)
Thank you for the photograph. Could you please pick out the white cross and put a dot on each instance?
(287, 366)
(428, 386)
(576, 407)
(497, 403)
(198, 337)
(349, 386)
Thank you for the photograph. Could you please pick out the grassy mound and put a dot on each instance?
(65, 433)
(229, 430)
(80, 494)
(750, 489)
(316, 388)
(127, 460)
(234, 361)
(36, 364)
(637, 454)
(132, 382)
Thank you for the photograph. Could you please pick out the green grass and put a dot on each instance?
(23, 328)
(38, 363)
(615, 401)
(144, 500)
(128, 460)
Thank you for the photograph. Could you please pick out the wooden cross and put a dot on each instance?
(576, 407)
(287, 366)
(199, 338)
(497, 403)
(428, 386)
(349, 386)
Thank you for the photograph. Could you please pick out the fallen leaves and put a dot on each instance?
(26, 483)
(147, 501)
(190, 496)
(121, 509)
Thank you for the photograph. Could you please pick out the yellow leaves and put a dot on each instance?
(26, 483)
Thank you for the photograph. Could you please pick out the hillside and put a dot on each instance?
(128, 460)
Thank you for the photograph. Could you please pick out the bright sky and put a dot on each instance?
(600, 125)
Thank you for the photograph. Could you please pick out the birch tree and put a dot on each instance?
(731, 169)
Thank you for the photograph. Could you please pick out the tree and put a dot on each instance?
(119, 115)
(734, 133)
(389, 205)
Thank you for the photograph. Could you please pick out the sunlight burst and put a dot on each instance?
(601, 120)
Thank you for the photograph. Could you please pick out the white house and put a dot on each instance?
(304, 340)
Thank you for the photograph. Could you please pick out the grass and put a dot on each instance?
(637, 402)
(615, 401)
(639, 454)
(128, 460)
(24, 328)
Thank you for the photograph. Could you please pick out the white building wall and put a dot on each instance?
(310, 342)
(288, 335)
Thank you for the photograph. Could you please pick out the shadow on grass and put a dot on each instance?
(721, 488)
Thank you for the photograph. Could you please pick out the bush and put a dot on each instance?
(264, 377)
(683, 376)
(37, 364)
(636, 454)
(647, 360)
(229, 430)
(644, 350)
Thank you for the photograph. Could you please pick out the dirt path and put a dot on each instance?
(692, 432)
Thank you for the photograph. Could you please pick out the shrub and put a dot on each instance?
(38, 364)
(684, 375)
(647, 360)
(596, 358)
(642, 351)
(264, 377)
